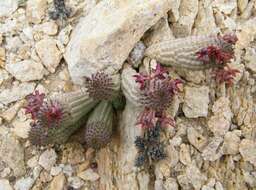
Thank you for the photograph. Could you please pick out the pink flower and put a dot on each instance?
(225, 75)
(146, 119)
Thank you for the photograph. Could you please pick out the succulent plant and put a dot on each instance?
(181, 52)
(61, 11)
(57, 118)
(102, 86)
(99, 126)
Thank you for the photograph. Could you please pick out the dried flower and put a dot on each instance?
(156, 152)
(35, 101)
(50, 114)
(225, 75)
(230, 38)
(214, 54)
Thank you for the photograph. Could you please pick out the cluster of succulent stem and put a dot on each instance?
(57, 118)
(157, 91)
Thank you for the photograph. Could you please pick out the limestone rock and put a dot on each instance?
(35, 10)
(213, 151)
(250, 59)
(7, 7)
(75, 182)
(5, 185)
(24, 184)
(195, 177)
(185, 157)
(187, 13)
(49, 53)
(89, 175)
(242, 4)
(49, 28)
(12, 153)
(174, 12)
(10, 113)
(196, 139)
(48, 159)
(196, 101)
(58, 183)
(3, 76)
(27, 70)
(231, 142)
(107, 41)
(21, 128)
(171, 183)
(247, 149)
(17, 92)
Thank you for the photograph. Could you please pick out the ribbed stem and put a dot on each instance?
(182, 52)
(129, 87)
(99, 126)
(75, 106)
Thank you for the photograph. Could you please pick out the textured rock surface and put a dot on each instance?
(196, 102)
(212, 146)
(106, 42)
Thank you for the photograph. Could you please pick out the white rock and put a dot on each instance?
(195, 177)
(50, 28)
(213, 151)
(7, 7)
(5, 185)
(247, 149)
(27, 70)
(196, 101)
(187, 13)
(68, 170)
(58, 182)
(49, 53)
(35, 10)
(104, 38)
(21, 128)
(10, 113)
(24, 184)
(89, 175)
(75, 182)
(242, 4)
(196, 139)
(63, 36)
(185, 157)
(48, 159)
(56, 170)
(231, 142)
(137, 54)
(171, 183)
(17, 92)
(250, 59)
(12, 153)
(3, 76)
(219, 125)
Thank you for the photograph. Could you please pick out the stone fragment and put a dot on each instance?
(205, 22)
(64, 34)
(3, 76)
(171, 183)
(220, 122)
(75, 182)
(247, 149)
(106, 42)
(137, 54)
(17, 92)
(55, 170)
(48, 159)
(195, 177)
(187, 13)
(250, 59)
(49, 28)
(196, 101)
(10, 113)
(159, 32)
(21, 128)
(231, 142)
(185, 157)
(213, 151)
(35, 10)
(7, 7)
(2, 57)
(5, 185)
(58, 183)
(49, 53)
(246, 34)
(27, 70)
(196, 139)
(89, 175)
(225, 7)
(24, 184)
(73, 154)
(12, 153)
(174, 12)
